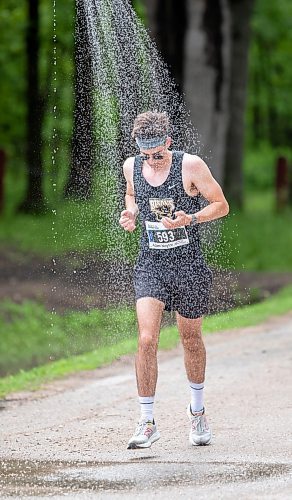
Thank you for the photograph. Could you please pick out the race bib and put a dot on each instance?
(161, 238)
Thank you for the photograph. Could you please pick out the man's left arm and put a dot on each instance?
(198, 174)
(212, 192)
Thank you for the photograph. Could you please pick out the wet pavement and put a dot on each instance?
(23, 478)
(69, 439)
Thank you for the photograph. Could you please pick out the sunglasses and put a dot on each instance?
(155, 156)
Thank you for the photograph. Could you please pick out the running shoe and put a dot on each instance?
(145, 434)
(200, 433)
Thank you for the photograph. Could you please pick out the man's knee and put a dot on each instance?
(148, 341)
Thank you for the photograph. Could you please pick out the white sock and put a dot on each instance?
(197, 396)
(146, 405)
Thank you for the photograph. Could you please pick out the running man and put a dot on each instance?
(163, 188)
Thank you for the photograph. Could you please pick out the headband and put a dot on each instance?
(151, 142)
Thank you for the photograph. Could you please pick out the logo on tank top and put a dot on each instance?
(162, 207)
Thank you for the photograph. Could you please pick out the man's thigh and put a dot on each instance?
(149, 315)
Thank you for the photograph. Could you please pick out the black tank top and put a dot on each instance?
(164, 200)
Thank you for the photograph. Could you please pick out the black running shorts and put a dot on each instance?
(185, 289)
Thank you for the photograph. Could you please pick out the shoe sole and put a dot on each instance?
(135, 446)
(193, 443)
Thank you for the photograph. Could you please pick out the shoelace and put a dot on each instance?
(140, 427)
(198, 423)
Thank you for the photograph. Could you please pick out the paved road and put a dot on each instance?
(70, 438)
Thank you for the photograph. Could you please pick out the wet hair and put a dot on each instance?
(150, 124)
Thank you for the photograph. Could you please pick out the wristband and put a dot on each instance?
(194, 220)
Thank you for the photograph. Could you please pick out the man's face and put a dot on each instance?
(156, 156)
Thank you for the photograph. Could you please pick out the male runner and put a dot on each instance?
(164, 187)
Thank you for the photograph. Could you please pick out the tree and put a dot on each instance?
(206, 77)
(192, 39)
(34, 200)
(240, 16)
(216, 63)
(168, 21)
(269, 105)
(55, 88)
(79, 185)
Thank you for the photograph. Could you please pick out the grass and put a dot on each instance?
(105, 354)
(31, 335)
(73, 226)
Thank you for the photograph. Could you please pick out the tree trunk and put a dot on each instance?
(240, 11)
(256, 132)
(168, 20)
(34, 201)
(79, 185)
(206, 77)
(171, 19)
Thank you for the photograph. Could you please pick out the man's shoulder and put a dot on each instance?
(191, 162)
(188, 157)
(129, 163)
(128, 168)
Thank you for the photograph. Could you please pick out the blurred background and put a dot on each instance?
(65, 285)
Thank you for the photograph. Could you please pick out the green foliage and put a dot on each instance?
(270, 74)
(259, 168)
(109, 351)
(13, 110)
(12, 82)
(259, 240)
(256, 239)
(57, 89)
(139, 6)
(269, 105)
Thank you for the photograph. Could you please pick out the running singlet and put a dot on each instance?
(159, 244)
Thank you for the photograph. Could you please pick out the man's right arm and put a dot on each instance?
(130, 195)
(128, 216)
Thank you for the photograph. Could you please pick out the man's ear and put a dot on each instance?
(168, 142)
